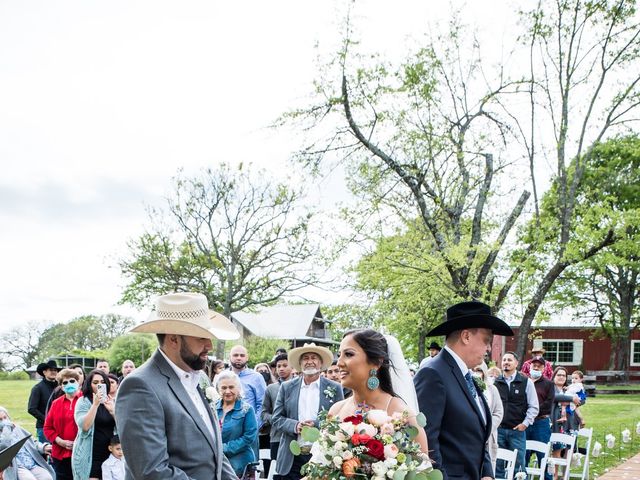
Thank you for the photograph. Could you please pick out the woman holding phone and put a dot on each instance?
(94, 416)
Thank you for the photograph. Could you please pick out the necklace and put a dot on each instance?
(361, 407)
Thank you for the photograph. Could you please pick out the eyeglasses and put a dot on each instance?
(71, 380)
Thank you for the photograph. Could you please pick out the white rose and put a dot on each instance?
(317, 455)
(347, 428)
(346, 455)
(390, 462)
(368, 429)
(378, 417)
(340, 446)
(337, 461)
(379, 469)
(211, 393)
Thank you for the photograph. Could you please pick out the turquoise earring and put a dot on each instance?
(372, 381)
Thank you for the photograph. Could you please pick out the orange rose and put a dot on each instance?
(349, 467)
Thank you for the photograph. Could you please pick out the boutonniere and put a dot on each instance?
(212, 394)
(330, 392)
(480, 384)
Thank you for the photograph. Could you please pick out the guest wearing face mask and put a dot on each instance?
(60, 427)
(495, 407)
(540, 429)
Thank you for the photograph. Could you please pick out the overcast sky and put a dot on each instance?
(102, 102)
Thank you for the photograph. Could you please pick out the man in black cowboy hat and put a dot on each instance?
(458, 417)
(40, 394)
(434, 349)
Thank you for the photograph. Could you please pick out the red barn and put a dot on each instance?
(577, 348)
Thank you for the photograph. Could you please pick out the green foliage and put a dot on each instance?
(261, 350)
(89, 333)
(136, 347)
(17, 375)
(349, 317)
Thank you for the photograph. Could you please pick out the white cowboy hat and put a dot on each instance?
(323, 352)
(187, 314)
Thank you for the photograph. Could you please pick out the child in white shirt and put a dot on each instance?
(113, 467)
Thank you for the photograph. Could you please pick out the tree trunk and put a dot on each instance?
(422, 340)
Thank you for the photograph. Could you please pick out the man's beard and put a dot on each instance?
(239, 365)
(193, 360)
(310, 371)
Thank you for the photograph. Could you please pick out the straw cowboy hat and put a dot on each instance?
(187, 314)
(323, 352)
(470, 315)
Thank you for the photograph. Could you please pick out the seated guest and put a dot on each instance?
(238, 420)
(29, 463)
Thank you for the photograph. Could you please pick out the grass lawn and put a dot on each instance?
(633, 386)
(14, 396)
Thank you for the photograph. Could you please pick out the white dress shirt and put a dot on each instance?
(309, 401)
(190, 382)
(464, 369)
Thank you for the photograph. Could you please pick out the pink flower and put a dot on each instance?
(377, 417)
(391, 451)
(367, 429)
(387, 429)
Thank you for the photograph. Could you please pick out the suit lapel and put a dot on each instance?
(182, 396)
(293, 399)
(455, 369)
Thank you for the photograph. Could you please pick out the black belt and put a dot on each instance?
(541, 417)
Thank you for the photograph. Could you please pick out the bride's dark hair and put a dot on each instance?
(375, 347)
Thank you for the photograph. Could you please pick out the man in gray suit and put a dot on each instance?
(167, 427)
(298, 403)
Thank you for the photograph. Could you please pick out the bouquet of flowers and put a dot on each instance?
(372, 445)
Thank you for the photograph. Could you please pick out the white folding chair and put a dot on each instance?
(565, 462)
(587, 434)
(265, 454)
(537, 471)
(509, 457)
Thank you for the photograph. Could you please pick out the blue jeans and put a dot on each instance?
(540, 430)
(41, 437)
(511, 439)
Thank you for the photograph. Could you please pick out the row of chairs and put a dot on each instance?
(537, 471)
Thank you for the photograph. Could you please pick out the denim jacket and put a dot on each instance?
(239, 433)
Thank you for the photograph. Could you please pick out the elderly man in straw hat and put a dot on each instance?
(547, 371)
(166, 425)
(298, 403)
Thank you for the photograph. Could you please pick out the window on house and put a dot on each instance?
(635, 353)
(561, 351)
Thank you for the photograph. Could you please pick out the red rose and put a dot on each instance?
(355, 419)
(375, 448)
(360, 439)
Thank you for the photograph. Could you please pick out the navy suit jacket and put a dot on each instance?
(456, 432)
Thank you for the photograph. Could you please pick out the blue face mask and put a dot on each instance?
(70, 388)
(535, 373)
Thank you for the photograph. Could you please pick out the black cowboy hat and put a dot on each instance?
(470, 315)
(51, 364)
(434, 346)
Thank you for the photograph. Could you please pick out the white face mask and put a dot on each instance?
(535, 373)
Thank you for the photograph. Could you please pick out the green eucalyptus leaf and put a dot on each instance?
(294, 446)
(399, 475)
(421, 419)
(434, 475)
(310, 434)
(412, 431)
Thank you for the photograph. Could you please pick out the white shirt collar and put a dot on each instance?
(190, 380)
(461, 365)
(314, 384)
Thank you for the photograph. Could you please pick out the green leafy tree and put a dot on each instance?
(136, 347)
(261, 350)
(235, 236)
(92, 334)
(21, 345)
(431, 138)
(606, 287)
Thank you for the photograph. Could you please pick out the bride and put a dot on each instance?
(372, 365)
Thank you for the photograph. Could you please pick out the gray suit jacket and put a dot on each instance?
(285, 415)
(161, 430)
(266, 415)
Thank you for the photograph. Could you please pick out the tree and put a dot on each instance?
(234, 236)
(88, 333)
(136, 347)
(583, 85)
(606, 287)
(429, 137)
(22, 344)
(261, 350)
